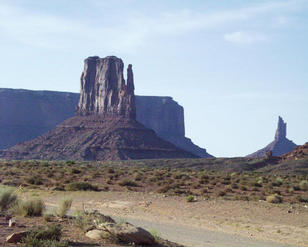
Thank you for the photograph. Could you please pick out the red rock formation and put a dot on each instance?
(105, 127)
(103, 88)
(300, 152)
(281, 145)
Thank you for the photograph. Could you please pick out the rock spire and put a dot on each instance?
(280, 146)
(103, 88)
(281, 132)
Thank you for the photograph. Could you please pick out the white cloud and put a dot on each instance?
(245, 37)
(134, 29)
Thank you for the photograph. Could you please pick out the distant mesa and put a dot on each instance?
(105, 126)
(280, 146)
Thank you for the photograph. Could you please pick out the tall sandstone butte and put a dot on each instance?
(105, 126)
(280, 146)
(104, 91)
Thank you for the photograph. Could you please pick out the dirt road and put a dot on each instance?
(203, 223)
(196, 237)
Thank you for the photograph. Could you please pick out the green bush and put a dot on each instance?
(81, 186)
(302, 198)
(274, 198)
(82, 221)
(65, 207)
(48, 236)
(70, 162)
(35, 180)
(303, 185)
(30, 208)
(127, 182)
(7, 199)
(190, 198)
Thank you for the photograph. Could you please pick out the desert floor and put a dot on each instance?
(196, 224)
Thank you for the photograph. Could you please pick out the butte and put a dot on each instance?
(104, 126)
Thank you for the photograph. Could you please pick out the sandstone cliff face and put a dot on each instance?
(103, 88)
(166, 117)
(26, 114)
(105, 127)
(280, 146)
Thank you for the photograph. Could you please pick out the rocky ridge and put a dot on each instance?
(26, 114)
(104, 127)
(280, 146)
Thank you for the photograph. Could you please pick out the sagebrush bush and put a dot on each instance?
(65, 207)
(274, 198)
(127, 182)
(81, 186)
(30, 208)
(48, 236)
(303, 185)
(7, 199)
(190, 198)
(302, 198)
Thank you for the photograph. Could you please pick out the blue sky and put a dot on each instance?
(235, 65)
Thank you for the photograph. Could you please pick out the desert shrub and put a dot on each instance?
(85, 220)
(75, 171)
(274, 198)
(48, 217)
(279, 181)
(110, 170)
(190, 198)
(80, 186)
(29, 208)
(296, 187)
(138, 177)
(7, 199)
(70, 162)
(205, 191)
(228, 188)
(242, 197)
(50, 232)
(82, 221)
(243, 187)
(127, 182)
(48, 236)
(156, 234)
(303, 185)
(234, 186)
(64, 207)
(35, 180)
(164, 189)
(302, 198)
(221, 193)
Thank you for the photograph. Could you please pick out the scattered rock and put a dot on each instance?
(12, 223)
(95, 234)
(101, 218)
(16, 237)
(129, 234)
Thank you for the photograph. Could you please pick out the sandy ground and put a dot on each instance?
(202, 223)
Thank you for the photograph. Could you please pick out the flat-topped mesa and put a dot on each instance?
(281, 132)
(103, 88)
